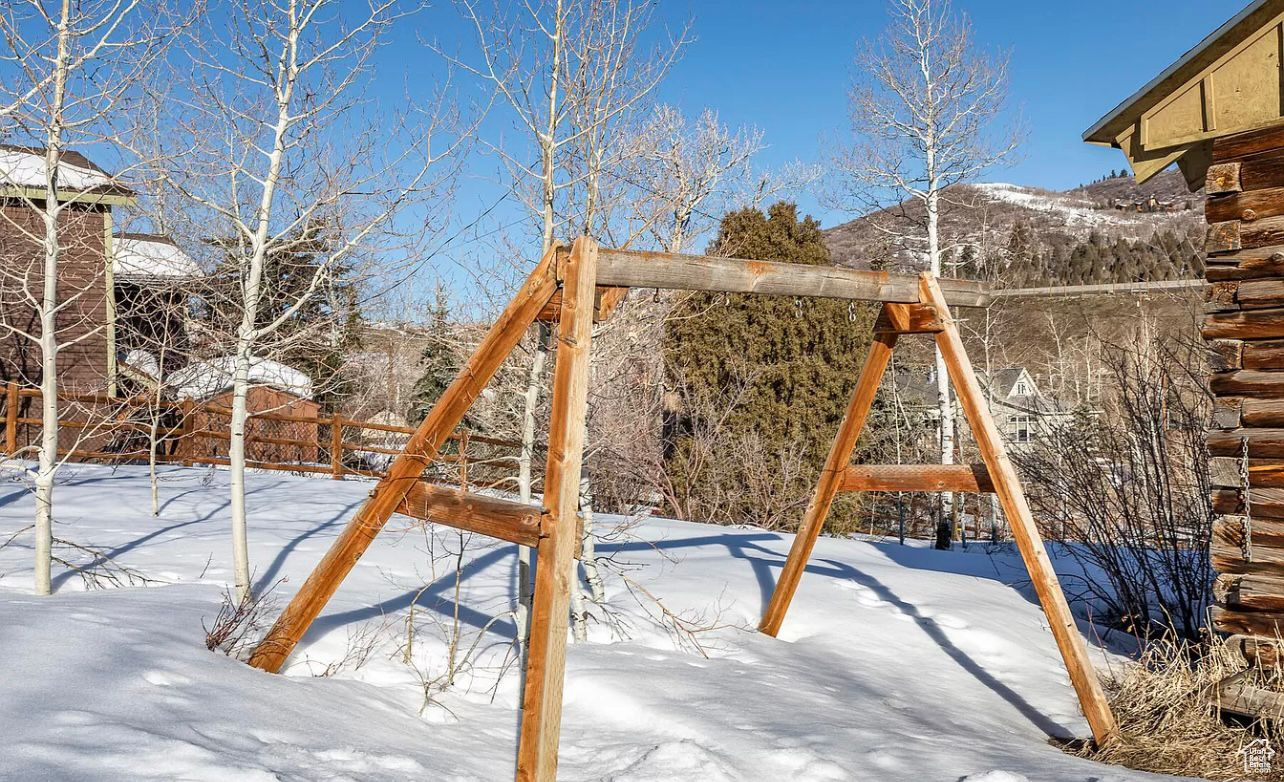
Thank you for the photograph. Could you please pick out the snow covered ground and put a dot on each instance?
(896, 663)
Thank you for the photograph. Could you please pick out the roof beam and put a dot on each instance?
(638, 269)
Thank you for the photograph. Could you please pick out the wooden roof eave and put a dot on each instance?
(1176, 116)
(106, 196)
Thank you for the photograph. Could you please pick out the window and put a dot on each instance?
(1022, 388)
(1023, 429)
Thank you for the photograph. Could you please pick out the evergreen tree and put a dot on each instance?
(440, 362)
(317, 336)
(771, 371)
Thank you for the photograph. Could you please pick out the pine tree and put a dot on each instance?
(771, 374)
(440, 362)
(317, 336)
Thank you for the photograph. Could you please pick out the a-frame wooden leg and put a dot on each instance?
(546, 659)
(421, 449)
(831, 477)
(1008, 487)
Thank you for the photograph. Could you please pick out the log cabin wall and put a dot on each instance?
(1244, 328)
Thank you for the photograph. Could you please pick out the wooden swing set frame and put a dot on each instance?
(574, 288)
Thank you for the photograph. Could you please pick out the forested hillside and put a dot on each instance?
(1111, 230)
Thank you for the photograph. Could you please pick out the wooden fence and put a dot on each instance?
(118, 430)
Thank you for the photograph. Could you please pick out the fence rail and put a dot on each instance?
(127, 429)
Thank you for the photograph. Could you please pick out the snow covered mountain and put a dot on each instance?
(984, 217)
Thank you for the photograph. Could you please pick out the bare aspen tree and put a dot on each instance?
(924, 109)
(284, 158)
(568, 72)
(70, 69)
(692, 172)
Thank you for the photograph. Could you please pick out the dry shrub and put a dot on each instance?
(239, 624)
(1167, 721)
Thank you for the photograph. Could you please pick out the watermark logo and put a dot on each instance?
(1257, 756)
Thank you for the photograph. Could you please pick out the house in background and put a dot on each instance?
(150, 279)
(1023, 413)
(85, 323)
(125, 327)
(274, 388)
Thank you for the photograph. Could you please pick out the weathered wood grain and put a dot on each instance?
(1250, 592)
(1227, 413)
(918, 477)
(1220, 297)
(1248, 383)
(1238, 695)
(1007, 485)
(1265, 355)
(1223, 237)
(1261, 263)
(907, 319)
(546, 654)
(1262, 443)
(638, 269)
(1258, 294)
(1261, 233)
(1224, 472)
(1222, 178)
(1225, 355)
(1266, 503)
(1259, 413)
(1248, 205)
(1248, 324)
(1261, 172)
(514, 522)
(1247, 622)
(830, 482)
(1238, 146)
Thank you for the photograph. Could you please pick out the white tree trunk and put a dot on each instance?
(236, 461)
(588, 560)
(47, 458)
(944, 405)
(47, 467)
(530, 406)
(152, 478)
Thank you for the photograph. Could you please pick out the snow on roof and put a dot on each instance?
(145, 256)
(203, 379)
(144, 362)
(25, 167)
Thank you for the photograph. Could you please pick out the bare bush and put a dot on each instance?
(1168, 723)
(1127, 487)
(238, 624)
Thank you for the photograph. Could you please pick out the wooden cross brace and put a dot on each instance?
(564, 287)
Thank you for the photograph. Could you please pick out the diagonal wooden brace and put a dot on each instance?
(405, 472)
(1011, 496)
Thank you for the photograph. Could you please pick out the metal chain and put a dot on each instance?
(1248, 503)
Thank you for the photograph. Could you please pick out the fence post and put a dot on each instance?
(336, 447)
(186, 430)
(463, 461)
(11, 419)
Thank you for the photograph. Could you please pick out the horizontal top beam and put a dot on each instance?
(640, 269)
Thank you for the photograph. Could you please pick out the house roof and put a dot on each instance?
(204, 379)
(142, 257)
(917, 388)
(25, 168)
(1228, 83)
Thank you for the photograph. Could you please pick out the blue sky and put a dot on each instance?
(786, 68)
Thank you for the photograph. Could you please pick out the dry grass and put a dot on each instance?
(1166, 718)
